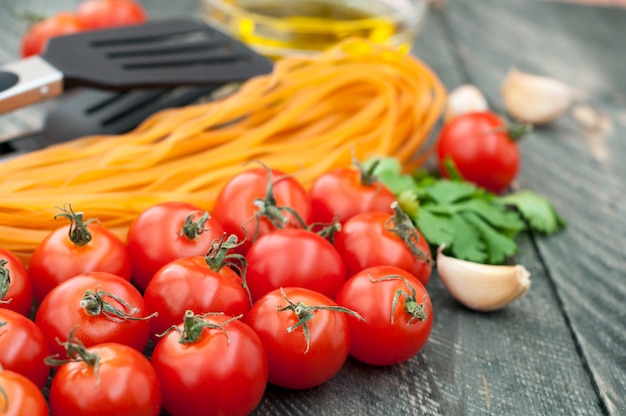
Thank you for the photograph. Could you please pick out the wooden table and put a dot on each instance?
(561, 350)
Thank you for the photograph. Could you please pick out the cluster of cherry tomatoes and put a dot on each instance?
(89, 15)
(195, 312)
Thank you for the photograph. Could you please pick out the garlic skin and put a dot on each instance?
(464, 99)
(482, 287)
(535, 99)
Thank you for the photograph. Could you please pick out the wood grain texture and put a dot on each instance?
(582, 172)
(562, 348)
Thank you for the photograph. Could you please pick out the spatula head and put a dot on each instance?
(156, 54)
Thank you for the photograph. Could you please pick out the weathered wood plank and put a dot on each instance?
(525, 360)
(582, 173)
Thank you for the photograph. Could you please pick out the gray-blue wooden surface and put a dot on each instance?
(561, 350)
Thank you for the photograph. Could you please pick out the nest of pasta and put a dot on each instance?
(312, 113)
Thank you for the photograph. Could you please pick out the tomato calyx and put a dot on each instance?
(94, 304)
(218, 257)
(193, 325)
(401, 225)
(367, 176)
(192, 229)
(75, 351)
(305, 313)
(269, 209)
(417, 311)
(5, 283)
(328, 231)
(78, 232)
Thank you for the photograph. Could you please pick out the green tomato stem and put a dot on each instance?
(305, 313)
(78, 232)
(5, 282)
(417, 311)
(94, 304)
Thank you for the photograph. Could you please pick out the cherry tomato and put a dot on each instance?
(397, 312)
(80, 247)
(482, 149)
(107, 379)
(215, 365)
(101, 14)
(23, 347)
(36, 38)
(16, 291)
(294, 257)
(202, 284)
(20, 396)
(299, 359)
(377, 238)
(101, 306)
(166, 232)
(344, 192)
(238, 205)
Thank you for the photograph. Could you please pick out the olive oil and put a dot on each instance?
(279, 27)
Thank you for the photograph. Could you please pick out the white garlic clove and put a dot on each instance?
(535, 99)
(482, 287)
(465, 99)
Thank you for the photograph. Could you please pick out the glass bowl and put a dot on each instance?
(277, 28)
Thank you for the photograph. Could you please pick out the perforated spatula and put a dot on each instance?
(156, 54)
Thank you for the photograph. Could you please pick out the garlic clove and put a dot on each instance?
(464, 99)
(535, 99)
(482, 287)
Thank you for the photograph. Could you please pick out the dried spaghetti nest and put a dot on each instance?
(309, 115)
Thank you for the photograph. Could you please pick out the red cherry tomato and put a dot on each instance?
(36, 38)
(166, 232)
(482, 149)
(102, 14)
(202, 284)
(294, 257)
(101, 306)
(16, 291)
(123, 382)
(23, 347)
(377, 238)
(215, 365)
(20, 396)
(299, 359)
(344, 192)
(237, 205)
(90, 248)
(397, 312)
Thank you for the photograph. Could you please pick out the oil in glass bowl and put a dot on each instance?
(277, 28)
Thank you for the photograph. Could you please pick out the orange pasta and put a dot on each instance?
(309, 115)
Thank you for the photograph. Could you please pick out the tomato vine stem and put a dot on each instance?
(269, 209)
(75, 352)
(5, 282)
(94, 303)
(417, 311)
(193, 229)
(401, 225)
(305, 313)
(193, 325)
(78, 232)
(219, 256)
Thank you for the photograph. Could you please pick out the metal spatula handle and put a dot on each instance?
(28, 81)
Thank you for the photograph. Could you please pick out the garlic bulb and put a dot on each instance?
(535, 99)
(465, 99)
(482, 287)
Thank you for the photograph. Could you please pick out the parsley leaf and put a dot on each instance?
(473, 223)
(537, 210)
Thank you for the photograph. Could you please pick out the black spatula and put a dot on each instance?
(156, 54)
(87, 111)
